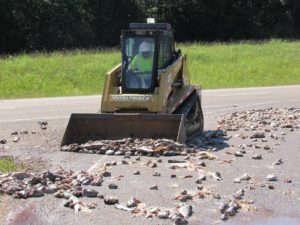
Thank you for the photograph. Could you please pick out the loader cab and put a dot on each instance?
(146, 48)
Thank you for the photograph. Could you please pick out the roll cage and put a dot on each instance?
(163, 50)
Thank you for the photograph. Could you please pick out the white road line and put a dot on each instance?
(23, 105)
(237, 105)
(230, 106)
(49, 99)
(36, 118)
(246, 106)
(7, 107)
(96, 165)
(240, 107)
(285, 87)
(217, 106)
(240, 94)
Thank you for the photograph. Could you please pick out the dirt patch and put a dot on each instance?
(34, 164)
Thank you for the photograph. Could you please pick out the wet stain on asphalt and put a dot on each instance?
(266, 221)
(26, 216)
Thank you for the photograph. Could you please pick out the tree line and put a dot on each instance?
(46, 25)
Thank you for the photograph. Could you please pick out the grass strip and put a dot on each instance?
(216, 65)
(7, 164)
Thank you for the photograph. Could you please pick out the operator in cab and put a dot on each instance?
(143, 61)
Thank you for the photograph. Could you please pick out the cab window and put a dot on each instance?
(138, 62)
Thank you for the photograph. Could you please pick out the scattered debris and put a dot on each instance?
(224, 216)
(216, 176)
(163, 214)
(122, 207)
(153, 165)
(16, 139)
(256, 156)
(244, 177)
(271, 177)
(110, 200)
(202, 177)
(257, 125)
(154, 187)
(132, 202)
(258, 135)
(223, 207)
(113, 186)
(185, 176)
(149, 147)
(90, 193)
(63, 184)
(278, 162)
(184, 192)
(109, 152)
(184, 198)
(137, 172)
(124, 162)
(43, 124)
(186, 211)
(24, 132)
(156, 174)
(216, 196)
(176, 161)
(20, 175)
(202, 163)
(260, 120)
(238, 154)
(207, 155)
(180, 221)
(77, 205)
(287, 181)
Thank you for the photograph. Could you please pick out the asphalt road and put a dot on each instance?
(21, 110)
(41, 152)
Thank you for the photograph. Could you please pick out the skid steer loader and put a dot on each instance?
(152, 100)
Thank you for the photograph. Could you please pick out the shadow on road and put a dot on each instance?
(214, 140)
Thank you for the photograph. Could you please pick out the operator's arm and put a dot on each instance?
(133, 64)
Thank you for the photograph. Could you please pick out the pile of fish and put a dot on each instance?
(254, 127)
(130, 146)
(26, 185)
(267, 120)
(149, 147)
(71, 186)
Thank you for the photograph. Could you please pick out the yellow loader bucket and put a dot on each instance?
(109, 126)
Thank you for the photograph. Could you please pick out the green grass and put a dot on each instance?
(7, 164)
(216, 65)
(55, 74)
(244, 64)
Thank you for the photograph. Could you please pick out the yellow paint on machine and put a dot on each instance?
(165, 98)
